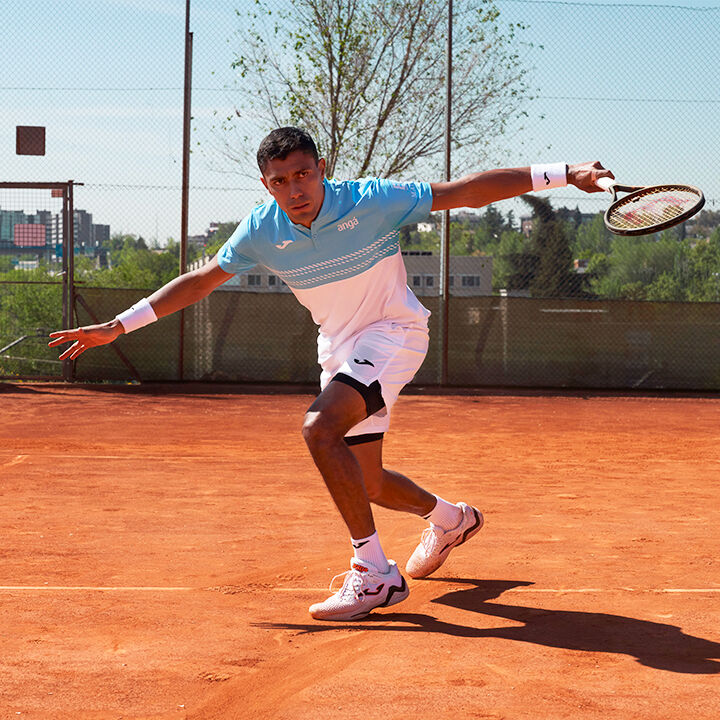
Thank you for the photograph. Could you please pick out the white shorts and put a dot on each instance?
(386, 353)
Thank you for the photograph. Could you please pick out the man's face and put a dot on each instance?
(296, 183)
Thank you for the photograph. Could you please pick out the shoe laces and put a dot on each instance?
(430, 538)
(352, 583)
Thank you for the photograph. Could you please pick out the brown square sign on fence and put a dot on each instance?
(29, 140)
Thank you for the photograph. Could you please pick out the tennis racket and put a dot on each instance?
(647, 210)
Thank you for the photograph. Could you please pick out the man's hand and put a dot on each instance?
(86, 337)
(585, 176)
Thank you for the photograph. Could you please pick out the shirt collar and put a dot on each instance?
(327, 211)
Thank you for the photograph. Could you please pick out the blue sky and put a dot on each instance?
(105, 77)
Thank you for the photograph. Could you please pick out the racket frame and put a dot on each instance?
(613, 187)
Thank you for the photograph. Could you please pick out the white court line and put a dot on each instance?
(92, 456)
(550, 591)
(571, 310)
(602, 590)
(15, 461)
(74, 588)
(240, 589)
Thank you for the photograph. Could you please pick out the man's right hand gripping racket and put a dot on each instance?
(648, 210)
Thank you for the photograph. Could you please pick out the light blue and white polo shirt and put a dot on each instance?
(347, 268)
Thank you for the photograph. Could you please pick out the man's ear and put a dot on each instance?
(264, 182)
(321, 165)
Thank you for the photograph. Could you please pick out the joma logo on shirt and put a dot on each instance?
(349, 225)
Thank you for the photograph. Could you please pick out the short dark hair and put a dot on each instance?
(281, 142)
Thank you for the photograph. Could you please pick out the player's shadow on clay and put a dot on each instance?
(656, 645)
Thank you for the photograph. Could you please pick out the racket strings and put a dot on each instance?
(650, 209)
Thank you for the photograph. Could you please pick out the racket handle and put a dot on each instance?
(606, 183)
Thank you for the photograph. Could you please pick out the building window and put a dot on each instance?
(254, 280)
(429, 281)
(471, 281)
(416, 281)
(272, 280)
(451, 280)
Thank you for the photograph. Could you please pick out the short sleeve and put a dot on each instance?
(405, 203)
(234, 256)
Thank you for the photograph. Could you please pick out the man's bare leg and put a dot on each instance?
(389, 488)
(338, 408)
(373, 580)
(451, 525)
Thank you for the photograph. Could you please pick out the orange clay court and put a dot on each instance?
(161, 546)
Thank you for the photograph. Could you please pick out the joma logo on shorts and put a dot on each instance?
(349, 225)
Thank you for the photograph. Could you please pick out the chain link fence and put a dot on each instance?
(32, 293)
(541, 294)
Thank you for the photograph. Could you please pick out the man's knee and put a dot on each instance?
(320, 430)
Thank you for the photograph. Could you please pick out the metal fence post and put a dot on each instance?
(68, 271)
(445, 244)
(187, 110)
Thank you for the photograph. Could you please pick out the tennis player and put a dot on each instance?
(335, 244)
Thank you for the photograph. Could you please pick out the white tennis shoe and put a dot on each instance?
(436, 543)
(364, 588)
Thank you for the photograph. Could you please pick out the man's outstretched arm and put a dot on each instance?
(480, 189)
(177, 294)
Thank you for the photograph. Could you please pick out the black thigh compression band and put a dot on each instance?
(360, 439)
(372, 393)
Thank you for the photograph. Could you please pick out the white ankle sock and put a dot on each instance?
(445, 514)
(369, 549)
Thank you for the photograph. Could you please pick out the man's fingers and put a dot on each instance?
(62, 338)
(65, 355)
(596, 175)
(592, 186)
(585, 176)
(73, 351)
(602, 172)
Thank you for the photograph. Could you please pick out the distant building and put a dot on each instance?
(580, 265)
(100, 235)
(82, 229)
(526, 226)
(41, 233)
(259, 279)
(469, 274)
(201, 241)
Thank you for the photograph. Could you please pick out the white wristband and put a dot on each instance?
(548, 175)
(139, 315)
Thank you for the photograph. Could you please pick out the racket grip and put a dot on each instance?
(606, 183)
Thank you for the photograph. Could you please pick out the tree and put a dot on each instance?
(636, 263)
(511, 269)
(704, 224)
(592, 238)
(29, 307)
(553, 276)
(366, 77)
